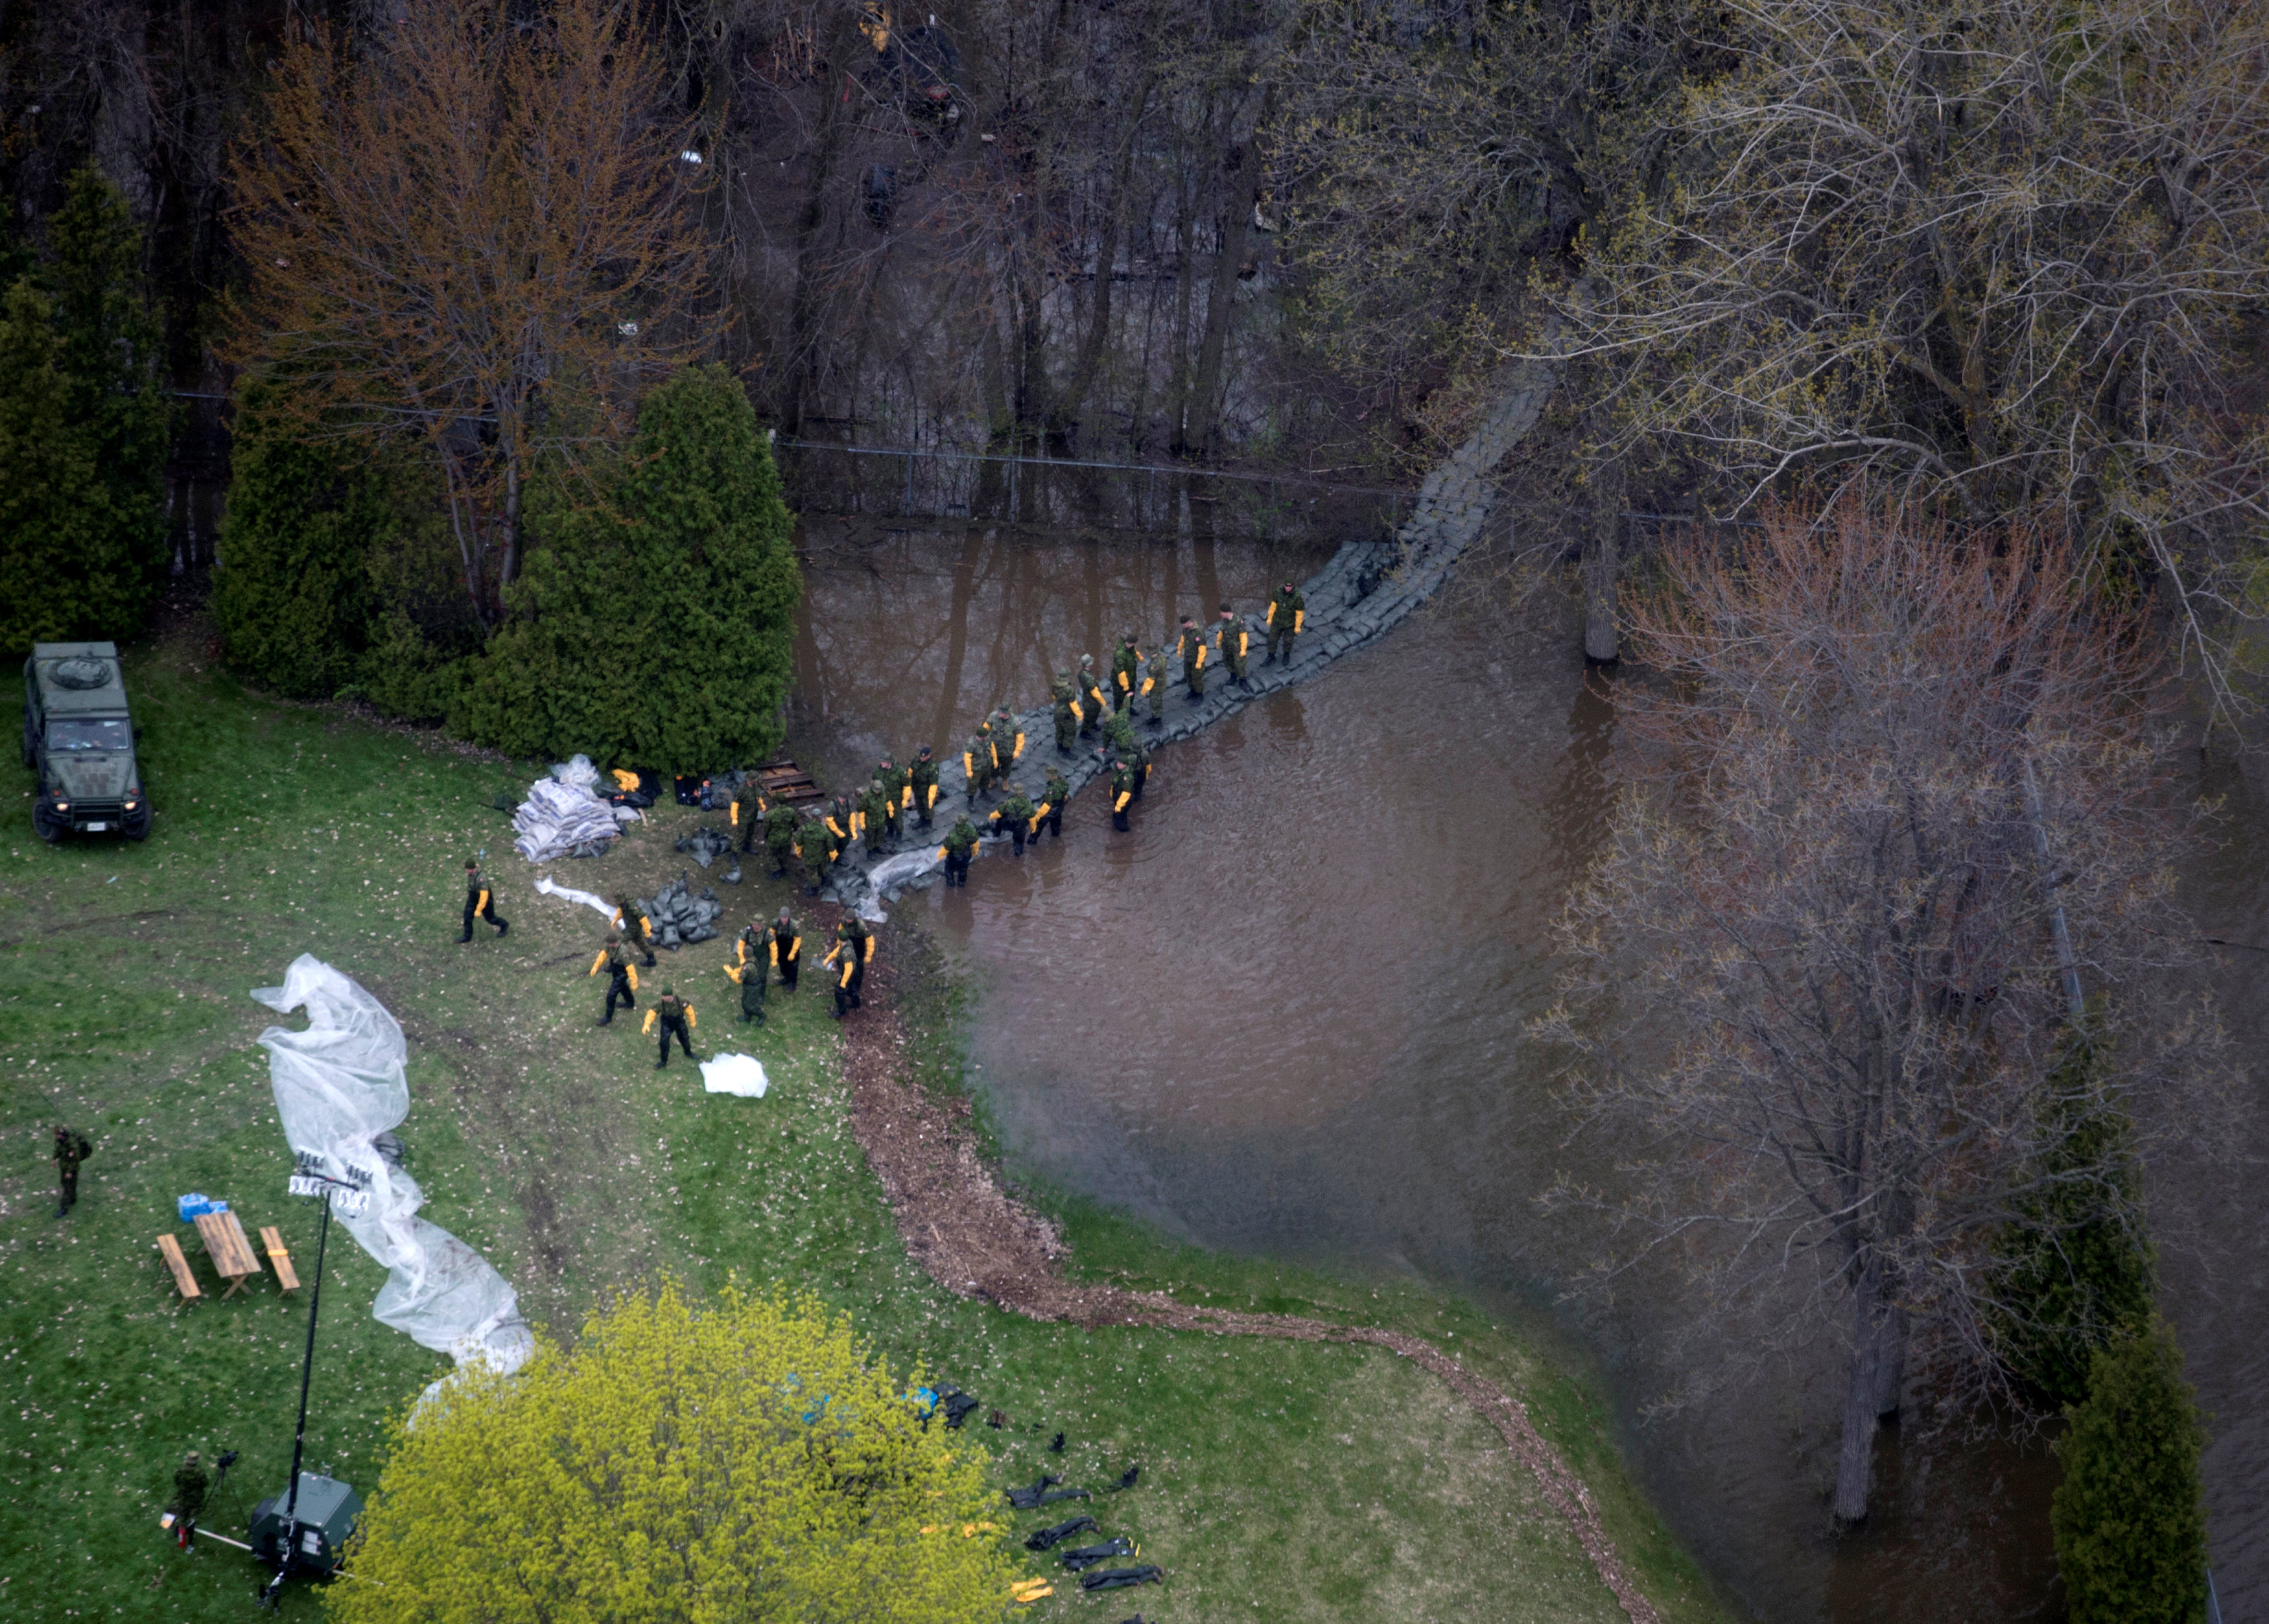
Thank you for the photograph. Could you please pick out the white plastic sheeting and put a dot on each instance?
(905, 868)
(734, 1073)
(550, 887)
(338, 1086)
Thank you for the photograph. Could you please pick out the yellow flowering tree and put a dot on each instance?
(742, 1461)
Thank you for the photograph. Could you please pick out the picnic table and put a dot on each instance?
(231, 1253)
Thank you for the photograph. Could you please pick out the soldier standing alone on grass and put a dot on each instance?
(675, 1015)
(70, 1150)
(479, 904)
(622, 977)
(190, 1487)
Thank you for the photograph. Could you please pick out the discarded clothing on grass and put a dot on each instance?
(560, 819)
(1127, 1479)
(705, 844)
(1120, 1579)
(1026, 1499)
(569, 893)
(1088, 1555)
(679, 918)
(957, 1407)
(1054, 1495)
(633, 788)
(339, 1086)
(1049, 1539)
(734, 1073)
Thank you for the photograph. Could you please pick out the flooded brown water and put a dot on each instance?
(1284, 1015)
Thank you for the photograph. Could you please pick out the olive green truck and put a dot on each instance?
(79, 737)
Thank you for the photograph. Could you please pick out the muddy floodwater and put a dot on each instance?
(1285, 1015)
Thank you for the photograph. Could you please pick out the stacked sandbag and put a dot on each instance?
(681, 918)
(564, 816)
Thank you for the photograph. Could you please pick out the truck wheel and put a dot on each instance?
(46, 826)
(31, 744)
(138, 828)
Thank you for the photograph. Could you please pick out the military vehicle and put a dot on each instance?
(79, 737)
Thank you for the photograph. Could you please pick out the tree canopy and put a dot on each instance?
(746, 1459)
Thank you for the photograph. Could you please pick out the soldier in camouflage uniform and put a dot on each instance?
(779, 837)
(1193, 650)
(1126, 668)
(479, 904)
(1091, 700)
(622, 977)
(751, 974)
(1016, 814)
(894, 780)
(976, 760)
(71, 1149)
(636, 928)
(841, 821)
(1049, 819)
(1008, 743)
(676, 1016)
(1070, 713)
(190, 1488)
(1154, 685)
(960, 846)
(813, 843)
(922, 777)
(853, 950)
(747, 811)
(1124, 782)
(874, 809)
(1233, 642)
(787, 949)
(1288, 616)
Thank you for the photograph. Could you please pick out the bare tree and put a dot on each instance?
(473, 236)
(1817, 975)
(2004, 257)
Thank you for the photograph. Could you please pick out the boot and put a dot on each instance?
(658, 1065)
(504, 927)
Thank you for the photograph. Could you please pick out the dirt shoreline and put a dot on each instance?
(972, 1238)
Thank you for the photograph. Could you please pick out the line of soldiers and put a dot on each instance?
(761, 951)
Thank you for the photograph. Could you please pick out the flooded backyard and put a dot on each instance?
(1285, 1015)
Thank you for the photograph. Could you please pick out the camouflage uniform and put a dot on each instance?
(747, 812)
(1288, 614)
(479, 904)
(978, 759)
(1233, 642)
(813, 843)
(622, 979)
(960, 846)
(636, 928)
(1070, 714)
(922, 778)
(70, 1150)
(1193, 650)
(894, 780)
(1154, 684)
(1015, 816)
(751, 975)
(1090, 694)
(1125, 666)
(1124, 782)
(779, 837)
(1049, 819)
(855, 947)
(786, 950)
(875, 808)
(676, 1016)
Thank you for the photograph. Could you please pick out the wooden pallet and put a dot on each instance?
(784, 781)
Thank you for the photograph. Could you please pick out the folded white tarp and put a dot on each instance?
(733, 1074)
(338, 1086)
(550, 887)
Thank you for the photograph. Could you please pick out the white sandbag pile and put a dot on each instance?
(565, 815)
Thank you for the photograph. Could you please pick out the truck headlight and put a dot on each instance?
(62, 806)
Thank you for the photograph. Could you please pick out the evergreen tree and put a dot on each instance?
(83, 518)
(655, 626)
(2130, 1515)
(292, 596)
(2078, 1269)
(48, 479)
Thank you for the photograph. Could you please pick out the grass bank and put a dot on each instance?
(1281, 1479)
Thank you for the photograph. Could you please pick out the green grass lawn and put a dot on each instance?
(1281, 1480)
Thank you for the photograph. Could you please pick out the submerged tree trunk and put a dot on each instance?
(1873, 1328)
(1602, 563)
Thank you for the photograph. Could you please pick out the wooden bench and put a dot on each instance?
(278, 1258)
(170, 1250)
(231, 1253)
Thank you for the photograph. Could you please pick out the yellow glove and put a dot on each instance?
(1077, 714)
(870, 950)
(941, 853)
(1244, 644)
(627, 780)
(1119, 805)
(1271, 622)
(1300, 619)
(648, 1027)
(735, 810)
(776, 953)
(848, 968)
(933, 795)
(692, 1020)
(1019, 750)
(482, 907)
(1122, 681)
(908, 798)
(969, 763)
(632, 971)
(733, 970)
(792, 946)
(596, 962)
(1202, 654)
